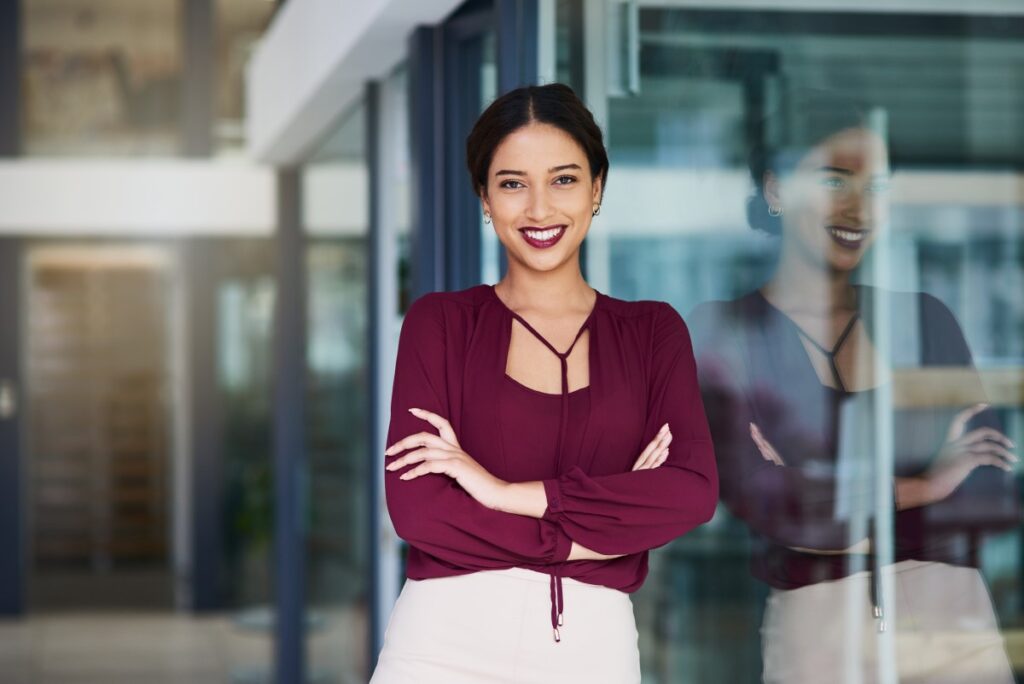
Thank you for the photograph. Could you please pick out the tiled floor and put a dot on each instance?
(159, 648)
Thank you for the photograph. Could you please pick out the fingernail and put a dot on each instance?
(413, 410)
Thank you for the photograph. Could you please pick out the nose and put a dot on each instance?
(539, 205)
(858, 206)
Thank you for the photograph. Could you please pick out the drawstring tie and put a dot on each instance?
(874, 586)
(557, 601)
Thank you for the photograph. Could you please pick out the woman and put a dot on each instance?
(792, 375)
(529, 466)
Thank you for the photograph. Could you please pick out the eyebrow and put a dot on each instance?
(848, 172)
(835, 169)
(553, 169)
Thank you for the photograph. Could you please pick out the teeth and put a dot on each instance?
(543, 234)
(847, 235)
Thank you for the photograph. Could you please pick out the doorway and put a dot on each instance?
(98, 426)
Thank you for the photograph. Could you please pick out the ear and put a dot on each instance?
(598, 187)
(485, 205)
(771, 189)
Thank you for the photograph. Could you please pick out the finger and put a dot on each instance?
(418, 456)
(996, 450)
(656, 446)
(959, 422)
(768, 452)
(984, 433)
(992, 460)
(441, 466)
(657, 455)
(441, 423)
(417, 440)
(651, 447)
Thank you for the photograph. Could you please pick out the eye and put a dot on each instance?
(833, 182)
(878, 187)
(565, 180)
(511, 184)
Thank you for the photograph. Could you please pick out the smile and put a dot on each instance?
(543, 238)
(849, 238)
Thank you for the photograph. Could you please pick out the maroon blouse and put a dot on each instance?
(452, 355)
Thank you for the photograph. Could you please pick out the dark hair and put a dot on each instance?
(782, 138)
(555, 104)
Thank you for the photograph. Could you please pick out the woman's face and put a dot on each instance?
(836, 200)
(540, 196)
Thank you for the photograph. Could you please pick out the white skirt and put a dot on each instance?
(940, 629)
(495, 627)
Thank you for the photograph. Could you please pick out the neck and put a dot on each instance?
(548, 292)
(801, 286)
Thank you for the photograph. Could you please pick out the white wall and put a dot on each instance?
(135, 197)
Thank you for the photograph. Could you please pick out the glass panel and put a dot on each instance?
(486, 74)
(335, 210)
(101, 77)
(894, 144)
(396, 164)
(245, 307)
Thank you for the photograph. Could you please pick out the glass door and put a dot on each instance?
(867, 158)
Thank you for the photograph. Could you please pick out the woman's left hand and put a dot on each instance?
(442, 455)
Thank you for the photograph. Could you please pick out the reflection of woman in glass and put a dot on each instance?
(529, 466)
(792, 378)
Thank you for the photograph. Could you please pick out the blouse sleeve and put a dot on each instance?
(987, 499)
(432, 512)
(639, 510)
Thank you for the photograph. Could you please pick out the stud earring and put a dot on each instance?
(774, 210)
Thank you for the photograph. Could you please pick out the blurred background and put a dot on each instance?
(213, 214)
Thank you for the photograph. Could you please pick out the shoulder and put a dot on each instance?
(449, 302)
(445, 309)
(932, 313)
(638, 312)
(655, 321)
(714, 315)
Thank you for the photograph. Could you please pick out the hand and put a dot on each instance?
(768, 452)
(962, 453)
(656, 451)
(579, 552)
(442, 455)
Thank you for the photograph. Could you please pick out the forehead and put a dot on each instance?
(537, 147)
(855, 149)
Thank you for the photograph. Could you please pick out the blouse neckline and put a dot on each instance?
(586, 321)
(550, 395)
(795, 331)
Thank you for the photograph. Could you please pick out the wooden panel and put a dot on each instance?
(98, 424)
(958, 387)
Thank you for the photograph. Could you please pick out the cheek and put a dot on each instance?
(503, 206)
(814, 209)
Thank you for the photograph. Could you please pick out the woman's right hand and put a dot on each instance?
(656, 451)
(965, 451)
